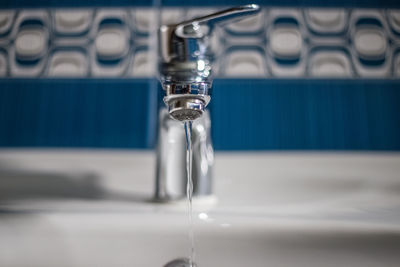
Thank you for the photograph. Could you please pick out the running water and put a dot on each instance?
(189, 187)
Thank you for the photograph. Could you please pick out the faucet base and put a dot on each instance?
(171, 176)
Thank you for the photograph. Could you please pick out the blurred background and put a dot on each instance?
(304, 75)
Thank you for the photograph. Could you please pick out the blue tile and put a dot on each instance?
(306, 114)
(75, 113)
(246, 114)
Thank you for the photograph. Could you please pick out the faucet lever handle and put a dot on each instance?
(192, 28)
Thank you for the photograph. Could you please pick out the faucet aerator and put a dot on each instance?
(186, 108)
(185, 114)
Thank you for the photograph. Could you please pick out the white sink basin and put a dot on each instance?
(272, 209)
(105, 239)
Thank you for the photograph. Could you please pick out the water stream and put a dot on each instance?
(189, 187)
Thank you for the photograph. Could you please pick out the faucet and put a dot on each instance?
(185, 73)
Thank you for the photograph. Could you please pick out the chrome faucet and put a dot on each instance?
(185, 72)
(185, 61)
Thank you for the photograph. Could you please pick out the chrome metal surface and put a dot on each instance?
(171, 158)
(185, 63)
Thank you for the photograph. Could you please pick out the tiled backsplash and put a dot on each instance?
(341, 47)
(278, 42)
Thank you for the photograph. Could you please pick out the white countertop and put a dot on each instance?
(283, 183)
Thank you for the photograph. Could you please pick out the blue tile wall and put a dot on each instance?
(246, 114)
(289, 100)
(306, 114)
(77, 113)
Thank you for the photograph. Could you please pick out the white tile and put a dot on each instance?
(68, 64)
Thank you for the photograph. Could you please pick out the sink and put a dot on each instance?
(270, 209)
(153, 239)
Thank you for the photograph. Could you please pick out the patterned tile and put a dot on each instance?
(278, 42)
